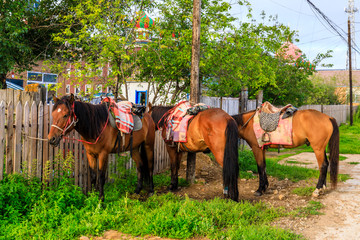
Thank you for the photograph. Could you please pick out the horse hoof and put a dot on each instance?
(316, 193)
(257, 193)
(172, 188)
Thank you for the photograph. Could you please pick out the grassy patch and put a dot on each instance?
(354, 163)
(304, 191)
(342, 158)
(296, 162)
(349, 138)
(311, 209)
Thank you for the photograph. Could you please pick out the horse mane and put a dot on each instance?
(159, 115)
(239, 117)
(91, 117)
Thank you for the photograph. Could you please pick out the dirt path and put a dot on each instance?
(341, 219)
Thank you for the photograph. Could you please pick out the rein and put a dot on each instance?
(248, 120)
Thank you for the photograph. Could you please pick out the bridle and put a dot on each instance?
(69, 123)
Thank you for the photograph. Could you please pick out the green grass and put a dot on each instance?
(63, 212)
(342, 158)
(354, 163)
(304, 191)
(349, 138)
(311, 209)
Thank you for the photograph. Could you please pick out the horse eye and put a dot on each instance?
(65, 116)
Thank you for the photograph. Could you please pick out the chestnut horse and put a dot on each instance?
(211, 129)
(308, 127)
(100, 138)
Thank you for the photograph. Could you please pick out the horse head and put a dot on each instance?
(63, 119)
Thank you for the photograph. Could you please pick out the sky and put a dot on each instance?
(314, 34)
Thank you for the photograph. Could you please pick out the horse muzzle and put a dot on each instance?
(55, 141)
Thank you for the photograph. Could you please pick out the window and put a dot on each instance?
(67, 91)
(140, 97)
(109, 89)
(77, 90)
(87, 89)
(99, 88)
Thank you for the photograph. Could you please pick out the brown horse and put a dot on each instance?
(211, 129)
(100, 138)
(308, 127)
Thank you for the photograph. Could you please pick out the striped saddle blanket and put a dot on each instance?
(121, 111)
(178, 120)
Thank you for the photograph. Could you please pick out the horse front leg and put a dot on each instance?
(103, 162)
(175, 158)
(92, 171)
(259, 155)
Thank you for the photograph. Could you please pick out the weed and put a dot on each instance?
(303, 191)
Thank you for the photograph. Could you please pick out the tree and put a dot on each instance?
(166, 61)
(101, 33)
(26, 27)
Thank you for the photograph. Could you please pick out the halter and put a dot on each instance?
(68, 123)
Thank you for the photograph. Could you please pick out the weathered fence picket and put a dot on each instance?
(23, 132)
(2, 137)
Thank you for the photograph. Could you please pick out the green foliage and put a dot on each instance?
(247, 164)
(25, 32)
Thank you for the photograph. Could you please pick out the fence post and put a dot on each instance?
(26, 147)
(40, 127)
(2, 137)
(45, 155)
(17, 140)
(10, 138)
(243, 99)
(33, 130)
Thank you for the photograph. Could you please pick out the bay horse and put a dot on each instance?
(100, 138)
(308, 127)
(212, 129)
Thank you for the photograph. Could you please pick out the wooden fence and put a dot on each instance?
(231, 105)
(23, 133)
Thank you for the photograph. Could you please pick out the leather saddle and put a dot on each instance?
(270, 115)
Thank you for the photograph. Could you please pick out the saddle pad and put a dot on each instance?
(178, 120)
(282, 135)
(122, 114)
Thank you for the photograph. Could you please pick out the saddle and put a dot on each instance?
(270, 115)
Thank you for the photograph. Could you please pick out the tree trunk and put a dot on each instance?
(3, 81)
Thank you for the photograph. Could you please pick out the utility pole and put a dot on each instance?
(350, 74)
(194, 81)
(351, 16)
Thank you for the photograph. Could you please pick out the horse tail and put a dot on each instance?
(334, 153)
(231, 164)
(144, 166)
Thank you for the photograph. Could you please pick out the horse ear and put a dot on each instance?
(55, 99)
(149, 107)
(71, 99)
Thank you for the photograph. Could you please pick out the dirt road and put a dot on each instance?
(341, 219)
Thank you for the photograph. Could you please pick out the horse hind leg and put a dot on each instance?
(323, 166)
(140, 170)
(175, 158)
(147, 157)
(259, 155)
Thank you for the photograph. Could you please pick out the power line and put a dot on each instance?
(332, 25)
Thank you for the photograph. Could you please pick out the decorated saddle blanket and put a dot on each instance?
(282, 135)
(178, 119)
(121, 111)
